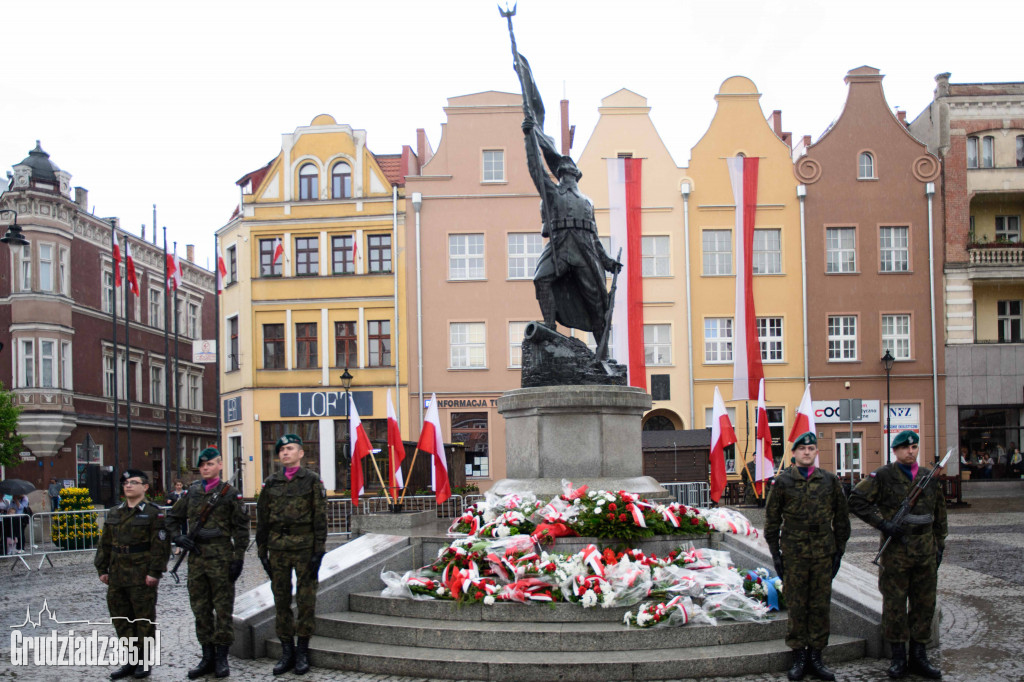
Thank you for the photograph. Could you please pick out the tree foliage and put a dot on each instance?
(10, 442)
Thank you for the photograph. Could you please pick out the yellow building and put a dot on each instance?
(291, 325)
(739, 127)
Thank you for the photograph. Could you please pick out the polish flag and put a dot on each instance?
(129, 268)
(747, 369)
(173, 271)
(722, 436)
(359, 443)
(117, 264)
(396, 450)
(764, 463)
(278, 251)
(222, 271)
(805, 420)
(624, 220)
(432, 441)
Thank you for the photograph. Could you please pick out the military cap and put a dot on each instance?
(285, 439)
(134, 473)
(807, 438)
(905, 438)
(207, 454)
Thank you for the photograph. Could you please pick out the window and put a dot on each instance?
(842, 338)
(465, 256)
(268, 268)
(27, 366)
(658, 344)
(769, 336)
(378, 249)
(307, 256)
(972, 152)
(894, 246)
(848, 452)
(1007, 229)
(767, 256)
(1020, 151)
(65, 366)
(195, 396)
(46, 267)
(26, 268)
(157, 394)
(232, 363)
(156, 308)
(192, 320)
(341, 181)
(111, 299)
(655, 256)
(345, 344)
(467, 342)
(47, 355)
(987, 151)
(840, 250)
(180, 396)
(866, 166)
(718, 339)
(232, 264)
(494, 165)
(273, 346)
(305, 345)
(717, 247)
(343, 256)
(309, 185)
(62, 271)
(523, 253)
(470, 429)
(516, 330)
(896, 335)
(592, 341)
(108, 375)
(378, 335)
(1009, 320)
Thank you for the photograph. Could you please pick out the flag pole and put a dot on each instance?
(177, 391)
(380, 478)
(167, 364)
(127, 357)
(218, 285)
(411, 465)
(113, 312)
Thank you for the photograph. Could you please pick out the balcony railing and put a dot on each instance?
(1000, 255)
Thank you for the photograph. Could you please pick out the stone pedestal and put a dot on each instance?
(392, 523)
(586, 434)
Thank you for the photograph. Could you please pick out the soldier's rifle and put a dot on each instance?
(602, 347)
(193, 532)
(910, 500)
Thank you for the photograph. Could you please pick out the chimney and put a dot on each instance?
(777, 122)
(421, 146)
(807, 140)
(566, 134)
(82, 198)
(902, 116)
(143, 231)
(190, 253)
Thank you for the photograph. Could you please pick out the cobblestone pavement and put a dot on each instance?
(981, 586)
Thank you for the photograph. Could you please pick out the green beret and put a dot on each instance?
(807, 438)
(134, 473)
(905, 438)
(207, 454)
(285, 439)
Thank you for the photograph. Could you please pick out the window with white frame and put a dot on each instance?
(309, 182)
(494, 165)
(65, 366)
(515, 343)
(842, 338)
(658, 344)
(896, 335)
(717, 252)
(848, 451)
(232, 362)
(108, 375)
(465, 256)
(655, 256)
(717, 340)
(1007, 228)
(46, 267)
(767, 256)
(62, 271)
(157, 392)
(25, 268)
(195, 392)
(988, 151)
(1009, 321)
(192, 320)
(972, 152)
(181, 394)
(156, 308)
(840, 250)
(769, 337)
(468, 345)
(894, 248)
(47, 363)
(524, 249)
(27, 363)
(111, 296)
(866, 166)
(232, 264)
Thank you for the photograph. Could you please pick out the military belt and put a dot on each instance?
(917, 530)
(809, 527)
(578, 223)
(200, 540)
(131, 549)
(287, 528)
(918, 519)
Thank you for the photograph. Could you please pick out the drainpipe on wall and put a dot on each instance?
(801, 193)
(685, 190)
(417, 204)
(929, 191)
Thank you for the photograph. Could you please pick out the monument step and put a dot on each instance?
(586, 666)
(535, 636)
(445, 610)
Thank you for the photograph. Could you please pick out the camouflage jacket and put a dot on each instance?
(225, 535)
(810, 514)
(292, 515)
(878, 497)
(133, 544)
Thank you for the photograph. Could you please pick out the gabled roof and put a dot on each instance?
(256, 176)
(391, 166)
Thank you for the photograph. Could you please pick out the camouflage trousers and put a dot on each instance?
(132, 603)
(282, 563)
(212, 597)
(908, 585)
(807, 587)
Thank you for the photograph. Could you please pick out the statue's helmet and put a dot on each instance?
(567, 167)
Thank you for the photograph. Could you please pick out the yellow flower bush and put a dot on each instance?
(75, 531)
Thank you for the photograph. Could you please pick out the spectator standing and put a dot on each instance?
(53, 491)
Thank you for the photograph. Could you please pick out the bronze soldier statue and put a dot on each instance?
(807, 508)
(131, 558)
(291, 535)
(216, 550)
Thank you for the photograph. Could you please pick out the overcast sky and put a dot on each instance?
(171, 102)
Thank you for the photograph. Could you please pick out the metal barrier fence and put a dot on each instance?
(692, 494)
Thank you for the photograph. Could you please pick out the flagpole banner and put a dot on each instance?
(432, 441)
(360, 446)
(722, 436)
(396, 450)
(624, 191)
(747, 368)
(764, 467)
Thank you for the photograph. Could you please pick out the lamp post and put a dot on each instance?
(887, 361)
(346, 383)
(14, 236)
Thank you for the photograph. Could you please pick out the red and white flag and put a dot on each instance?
(396, 450)
(360, 445)
(722, 436)
(222, 271)
(173, 271)
(432, 441)
(117, 264)
(129, 268)
(278, 251)
(624, 220)
(747, 369)
(764, 463)
(805, 420)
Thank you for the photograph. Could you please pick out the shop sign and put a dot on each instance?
(827, 412)
(232, 409)
(324, 404)
(449, 403)
(204, 351)
(903, 418)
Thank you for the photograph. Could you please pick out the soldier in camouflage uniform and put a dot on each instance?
(215, 559)
(909, 565)
(291, 533)
(807, 508)
(130, 560)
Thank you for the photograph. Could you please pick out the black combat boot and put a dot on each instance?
(796, 671)
(287, 661)
(898, 668)
(818, 667)
(124, 671)
(142, 671)
(302, 656)
(220, 661)
(205, 665)
(919, 664)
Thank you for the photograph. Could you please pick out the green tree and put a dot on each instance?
(10, 441)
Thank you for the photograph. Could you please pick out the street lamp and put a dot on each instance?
(346, 383)
(887, 361)
(14, 237)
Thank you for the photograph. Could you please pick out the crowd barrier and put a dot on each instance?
(692, 494)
